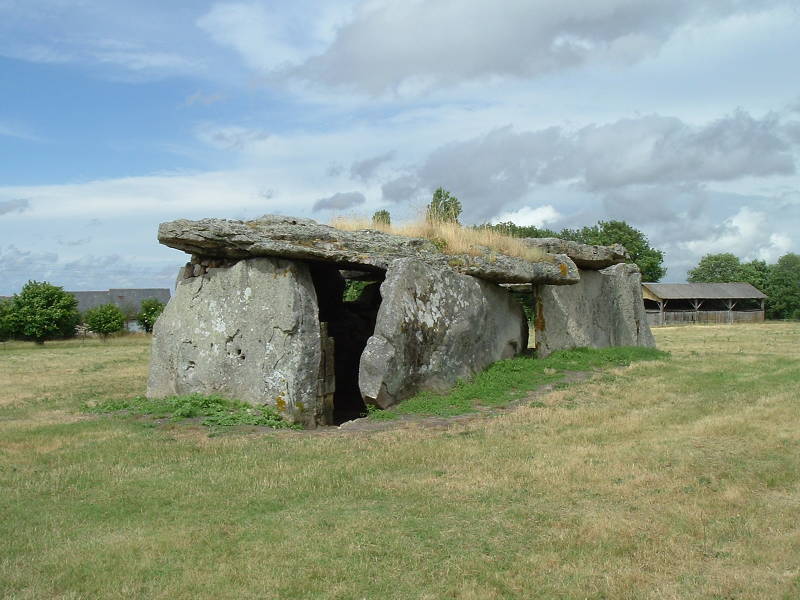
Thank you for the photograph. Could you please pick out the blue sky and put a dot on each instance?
(682, 118)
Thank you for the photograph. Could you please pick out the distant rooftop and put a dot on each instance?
(124, 298)
(703, 291)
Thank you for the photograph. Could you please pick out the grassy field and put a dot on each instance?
(675, 478)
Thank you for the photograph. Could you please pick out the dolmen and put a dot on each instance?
(259, 313)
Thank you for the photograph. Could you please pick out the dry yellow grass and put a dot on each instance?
(41, 386)
(663, 480)
(59, 369)
(452, 238)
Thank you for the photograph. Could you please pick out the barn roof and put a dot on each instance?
(126, 299)
(703, 291)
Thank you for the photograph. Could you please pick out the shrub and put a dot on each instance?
(444, 207)
(150, 311)
(381, 217)
(105, 319)
(42, 311)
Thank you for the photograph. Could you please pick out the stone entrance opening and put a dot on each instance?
(348, 308)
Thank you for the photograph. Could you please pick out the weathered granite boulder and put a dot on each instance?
(604, 309)
(585, 256)
(365, 250)
(434, 327)
(250, 331)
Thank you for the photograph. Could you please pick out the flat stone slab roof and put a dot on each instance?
(364, 250)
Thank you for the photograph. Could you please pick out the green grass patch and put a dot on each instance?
(216, 411)
(510, 380)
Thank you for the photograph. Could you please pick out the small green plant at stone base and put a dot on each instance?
(104, 319)
(216, 411)
(376, 412)
(509, 380)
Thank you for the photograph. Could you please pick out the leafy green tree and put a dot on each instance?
(716, 268)
(756, 273)
(5, 320)
(444, 207)
(104, 319)
(783, 288)
(726, 268)
(42, 311)
(649, 260)
(150, 311)
(382, 217)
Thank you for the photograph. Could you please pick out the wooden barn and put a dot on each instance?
(679, 303)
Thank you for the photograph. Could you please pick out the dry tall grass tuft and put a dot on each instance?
(451, 238)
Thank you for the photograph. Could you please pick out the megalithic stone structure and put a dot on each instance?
(259, 314)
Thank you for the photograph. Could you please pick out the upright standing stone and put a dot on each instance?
(435, 327)
(250, 331)
(604, 309)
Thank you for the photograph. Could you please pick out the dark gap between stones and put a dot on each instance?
(350, 324)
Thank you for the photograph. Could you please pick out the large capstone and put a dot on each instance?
(250, 331)
(435, 327)
(364, 250)
(604, 309)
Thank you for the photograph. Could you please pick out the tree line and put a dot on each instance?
(779, 281)
(42, 311)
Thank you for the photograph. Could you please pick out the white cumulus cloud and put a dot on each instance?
(747, 234)
(539, 216)
(417, 44)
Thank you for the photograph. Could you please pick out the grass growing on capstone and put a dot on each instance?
(670, 478)
(452, 238)
(510, 380)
